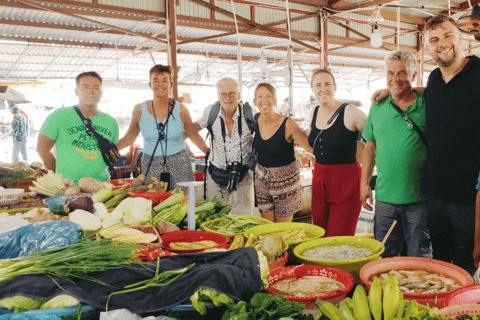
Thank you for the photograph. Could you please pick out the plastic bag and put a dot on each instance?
(38, 236)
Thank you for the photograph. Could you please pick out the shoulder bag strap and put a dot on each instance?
(91, 131)
(412, 123)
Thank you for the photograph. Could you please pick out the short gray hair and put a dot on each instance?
(403, 56)
(226, 80)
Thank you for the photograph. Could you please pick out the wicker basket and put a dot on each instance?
(10, 196)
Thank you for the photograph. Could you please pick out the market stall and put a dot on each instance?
(124, 244)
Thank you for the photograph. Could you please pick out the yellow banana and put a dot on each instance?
(390, 298)
(375, 298)
(328, 309)
(345, 312)
(401, 307)
(349, 302)
(360, 304)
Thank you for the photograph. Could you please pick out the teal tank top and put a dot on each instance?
(173, 133)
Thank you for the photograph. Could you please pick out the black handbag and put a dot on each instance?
(220, 176)
(108, 149)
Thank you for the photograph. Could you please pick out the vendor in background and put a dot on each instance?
(162, 121)
(19, 133)
(77, 153)
(277, 174)
(476, 249)
(333, 133)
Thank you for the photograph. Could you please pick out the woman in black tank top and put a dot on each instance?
(277, 175)
(333, 133)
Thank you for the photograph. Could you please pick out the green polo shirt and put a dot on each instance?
(400, 155)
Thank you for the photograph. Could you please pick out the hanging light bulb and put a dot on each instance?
(376, 37)
(207, 76)
(368, 85)
(262, 62)
(198, 75)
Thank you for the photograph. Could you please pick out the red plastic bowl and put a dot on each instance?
(470, 294)
(156, 197)
(192, 236)
(442, 268)
(313, 270)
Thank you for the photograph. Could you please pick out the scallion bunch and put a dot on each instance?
(77, 260)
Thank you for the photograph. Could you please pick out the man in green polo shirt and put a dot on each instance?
(77, 153)
(395, 146)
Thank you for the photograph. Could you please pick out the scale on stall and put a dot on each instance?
(190, 185)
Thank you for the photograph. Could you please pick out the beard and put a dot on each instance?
(446, 63)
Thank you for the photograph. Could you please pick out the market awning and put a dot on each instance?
(11, 95)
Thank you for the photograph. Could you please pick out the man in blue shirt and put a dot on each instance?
(19, 133)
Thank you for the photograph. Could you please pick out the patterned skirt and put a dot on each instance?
(278, 189)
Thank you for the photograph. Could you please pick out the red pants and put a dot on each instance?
(336, 198)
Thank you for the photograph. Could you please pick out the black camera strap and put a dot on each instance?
(412, 123)
(171, 105)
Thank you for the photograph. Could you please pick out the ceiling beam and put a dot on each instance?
(318, 3)
(247, 30)
(345, 6)
(39, 5)
(367, 41)
(253, 23)
(466, 5)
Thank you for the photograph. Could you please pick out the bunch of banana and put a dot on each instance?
(386, 304)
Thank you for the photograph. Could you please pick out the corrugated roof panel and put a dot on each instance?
(192, 9)
(240, 10)
(307, 25)
(266, 16)
(150, 5)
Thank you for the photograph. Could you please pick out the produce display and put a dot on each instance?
(307, 286)
(124, 230)
(420, 281)
(337, 253)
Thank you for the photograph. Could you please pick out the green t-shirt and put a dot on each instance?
(78, 154)
(400, 155)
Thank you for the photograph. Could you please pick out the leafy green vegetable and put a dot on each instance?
(61, 301)
(18, 303)
(200, 298)
(264, 306)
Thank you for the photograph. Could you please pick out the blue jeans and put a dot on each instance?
(19, 147)
(411, 228)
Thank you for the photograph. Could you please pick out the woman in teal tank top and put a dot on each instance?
(162, 122)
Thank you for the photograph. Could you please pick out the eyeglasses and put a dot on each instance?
(232, 94)
(161, 130)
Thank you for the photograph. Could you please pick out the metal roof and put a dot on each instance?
(115, 37)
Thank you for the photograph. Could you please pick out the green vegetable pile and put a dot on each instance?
(18, 303)
(233, 224)
(264, 306)
(202, 296)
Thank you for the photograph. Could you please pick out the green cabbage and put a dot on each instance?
(18, 303)
(61, 301)
(136, 211)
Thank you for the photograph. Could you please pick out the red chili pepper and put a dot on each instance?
(142, 253)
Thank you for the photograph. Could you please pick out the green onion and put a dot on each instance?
(156, 281)
(234, 224)
(76, 260)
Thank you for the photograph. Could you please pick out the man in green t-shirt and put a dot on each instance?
(77, 153)
(395, 146)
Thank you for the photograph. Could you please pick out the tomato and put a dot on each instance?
(142, 253)
(157, 253)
